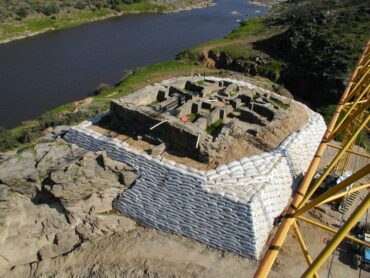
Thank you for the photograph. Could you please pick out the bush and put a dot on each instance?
(21, 13)
(7, 141)
(80, 5)
(327, 112)
(50, 9)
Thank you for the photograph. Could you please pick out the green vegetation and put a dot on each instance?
(7, 141)
(256, 96)
(233, 93)
(154, 103)
(193, 117)
(321, 45)
(141, 7)
(247, 28)
(213, 128)
(279, 103)
(310, 47)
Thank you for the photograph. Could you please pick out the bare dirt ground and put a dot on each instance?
(144, 252)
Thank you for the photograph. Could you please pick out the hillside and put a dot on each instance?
(27, 17)
(310, 47)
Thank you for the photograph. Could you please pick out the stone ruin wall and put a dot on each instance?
(185, 138)
(231, 207)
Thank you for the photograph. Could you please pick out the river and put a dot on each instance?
(44, 71)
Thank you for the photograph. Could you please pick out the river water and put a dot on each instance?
(42, 72)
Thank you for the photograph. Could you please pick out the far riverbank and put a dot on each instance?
(15, 30)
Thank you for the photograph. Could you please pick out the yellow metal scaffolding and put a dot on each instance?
(350, 121)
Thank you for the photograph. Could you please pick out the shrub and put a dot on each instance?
(80, 5)
(7, 141)
(21, 13)
(50, 9)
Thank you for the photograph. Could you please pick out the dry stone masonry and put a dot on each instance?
(231, 207)
(197, 117)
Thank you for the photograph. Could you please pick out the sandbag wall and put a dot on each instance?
(231, 207)
(172, 197)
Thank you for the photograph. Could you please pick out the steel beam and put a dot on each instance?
(337, 239)
(334, 162)
(350, 151)
(340, 186)
(332, 230)
(303, 246)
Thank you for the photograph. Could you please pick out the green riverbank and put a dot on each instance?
(27, 19)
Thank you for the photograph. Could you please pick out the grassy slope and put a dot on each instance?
(239, 46)
(308, 46)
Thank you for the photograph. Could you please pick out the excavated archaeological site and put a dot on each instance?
(217, 159)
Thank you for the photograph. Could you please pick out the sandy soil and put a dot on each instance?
(142, 252)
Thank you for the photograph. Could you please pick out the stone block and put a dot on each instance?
(185, 109)
(195, 108)
(214, 116)
(162, 95)
(207, 105)
(249, 116)
(223, 113)
(264, 110)
(236, 103)
(246, 99)
(193, 87)
(176, 91)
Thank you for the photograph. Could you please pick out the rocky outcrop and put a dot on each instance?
(55, 196)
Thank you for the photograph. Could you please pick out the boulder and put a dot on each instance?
(64, 242)
(158, 150)
(24, 231)
(20, 174)
(59, 154)
(88, 185)
(128, 178)
(61, 129)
